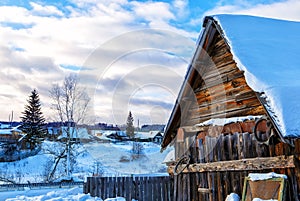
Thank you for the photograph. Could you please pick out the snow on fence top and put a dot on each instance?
(268, 51)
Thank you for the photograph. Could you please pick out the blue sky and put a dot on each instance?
(130, 55)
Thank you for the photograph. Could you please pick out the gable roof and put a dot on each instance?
(266, 51)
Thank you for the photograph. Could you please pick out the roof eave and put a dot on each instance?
(208, 21)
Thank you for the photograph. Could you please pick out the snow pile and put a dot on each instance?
(267, 51)
(262, 176)
(224, 121)
(67, 194)
(59, 194)
(232, 197)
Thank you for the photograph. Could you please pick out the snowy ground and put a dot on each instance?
(112, 155)
(107, 158)
(112, 159)
(51, 195)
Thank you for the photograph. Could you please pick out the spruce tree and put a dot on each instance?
(33, 120)
(130, 127)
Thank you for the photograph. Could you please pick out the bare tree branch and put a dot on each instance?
(70, 101)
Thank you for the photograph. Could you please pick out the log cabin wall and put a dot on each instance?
(220, 164)
(214, 88)
(218, 89)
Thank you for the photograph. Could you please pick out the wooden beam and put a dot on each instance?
(194, 129)
(277, 162)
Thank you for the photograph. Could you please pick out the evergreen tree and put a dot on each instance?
(33, 120)
(130, 127)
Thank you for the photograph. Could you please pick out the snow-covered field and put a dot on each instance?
(105, 158)
(112, 159)
(51, 195)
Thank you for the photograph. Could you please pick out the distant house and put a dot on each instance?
(151, 136)
(13, 138)
(158, 137)
(238, 110)
(76, 134)
(118, 136)
(10, 134)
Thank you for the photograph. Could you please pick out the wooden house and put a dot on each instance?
(10, 134)
(237, 111)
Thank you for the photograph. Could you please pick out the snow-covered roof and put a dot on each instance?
(147, 135)
(75, 133)
(8, 131)
(267, 51)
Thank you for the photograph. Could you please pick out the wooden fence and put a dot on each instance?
(147, 188)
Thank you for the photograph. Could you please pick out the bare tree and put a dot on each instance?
(70, 102)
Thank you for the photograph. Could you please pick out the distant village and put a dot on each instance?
(11, 134)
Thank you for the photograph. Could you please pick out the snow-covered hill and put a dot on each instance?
(91, 158)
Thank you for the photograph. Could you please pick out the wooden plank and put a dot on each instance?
(205, 185)
(213, 145)
(127, 187)
(220, 186)
(180, 191)
(196, 117)
(147, 190)
(214, 187)
(240, 165)
(210, 186)
(98, 186)
(293, 184)
(246, 138)
(184, 188)
(207, 149)
(227, 186)
(93, 186)
(163, 188)
(111, 191)
(201, 151)
(234, 146)
(253, 146)
(227, 106)
(193, 185)
(219, 148)
(159, 186)
(175, 187)
(189, 193)
(87, 186)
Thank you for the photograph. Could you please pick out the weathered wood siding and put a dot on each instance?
(216, 185)
(220, 88)
(215, 88)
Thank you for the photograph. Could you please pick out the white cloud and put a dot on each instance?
(287, 10)
(31, 55)
(181, 7)
(38, 9)
(153, 11)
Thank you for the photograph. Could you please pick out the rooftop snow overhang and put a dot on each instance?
(289, 91)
